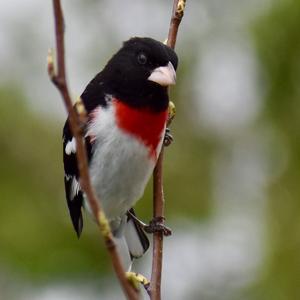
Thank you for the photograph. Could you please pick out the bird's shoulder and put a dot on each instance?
(95, 93)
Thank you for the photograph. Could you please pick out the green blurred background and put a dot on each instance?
(231, 177)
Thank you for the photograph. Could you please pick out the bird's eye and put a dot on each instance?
(142, 59)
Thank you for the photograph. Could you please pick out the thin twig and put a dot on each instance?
(158, 193)
(177, 15)
(75, 117)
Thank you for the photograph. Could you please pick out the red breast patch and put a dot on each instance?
(142, 123)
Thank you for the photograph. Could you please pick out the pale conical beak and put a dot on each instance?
(164, 75)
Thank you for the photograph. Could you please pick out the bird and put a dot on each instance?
(127, 111)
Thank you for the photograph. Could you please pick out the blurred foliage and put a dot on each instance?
(278, 43)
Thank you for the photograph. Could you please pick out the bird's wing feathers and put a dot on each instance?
(137, 241)
(92, 97)
(74, 194)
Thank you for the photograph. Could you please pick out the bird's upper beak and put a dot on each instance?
(164, 75)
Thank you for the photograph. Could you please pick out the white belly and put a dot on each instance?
(121, 165)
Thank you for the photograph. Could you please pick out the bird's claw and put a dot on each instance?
(168, 139)
(157, 225)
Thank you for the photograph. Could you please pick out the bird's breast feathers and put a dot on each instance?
(125, 144)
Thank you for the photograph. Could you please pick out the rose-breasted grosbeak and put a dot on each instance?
(127, 107)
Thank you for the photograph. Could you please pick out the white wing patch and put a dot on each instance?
(71, 147)
(75, 188)
(133, 241)
(68, 177)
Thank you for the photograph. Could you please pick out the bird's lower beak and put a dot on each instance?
(164, 75)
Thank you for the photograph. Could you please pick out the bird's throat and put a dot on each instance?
(143, 123)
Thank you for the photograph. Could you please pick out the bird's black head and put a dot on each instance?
(140, 72)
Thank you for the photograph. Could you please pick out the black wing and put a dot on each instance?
(92, 97)
(73, 191)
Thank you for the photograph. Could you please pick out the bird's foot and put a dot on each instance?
(157, 225)
(168, 139)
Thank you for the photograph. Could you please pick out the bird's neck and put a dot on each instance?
(142, 95)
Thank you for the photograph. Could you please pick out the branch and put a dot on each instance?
(158, 193)
(77, 114)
